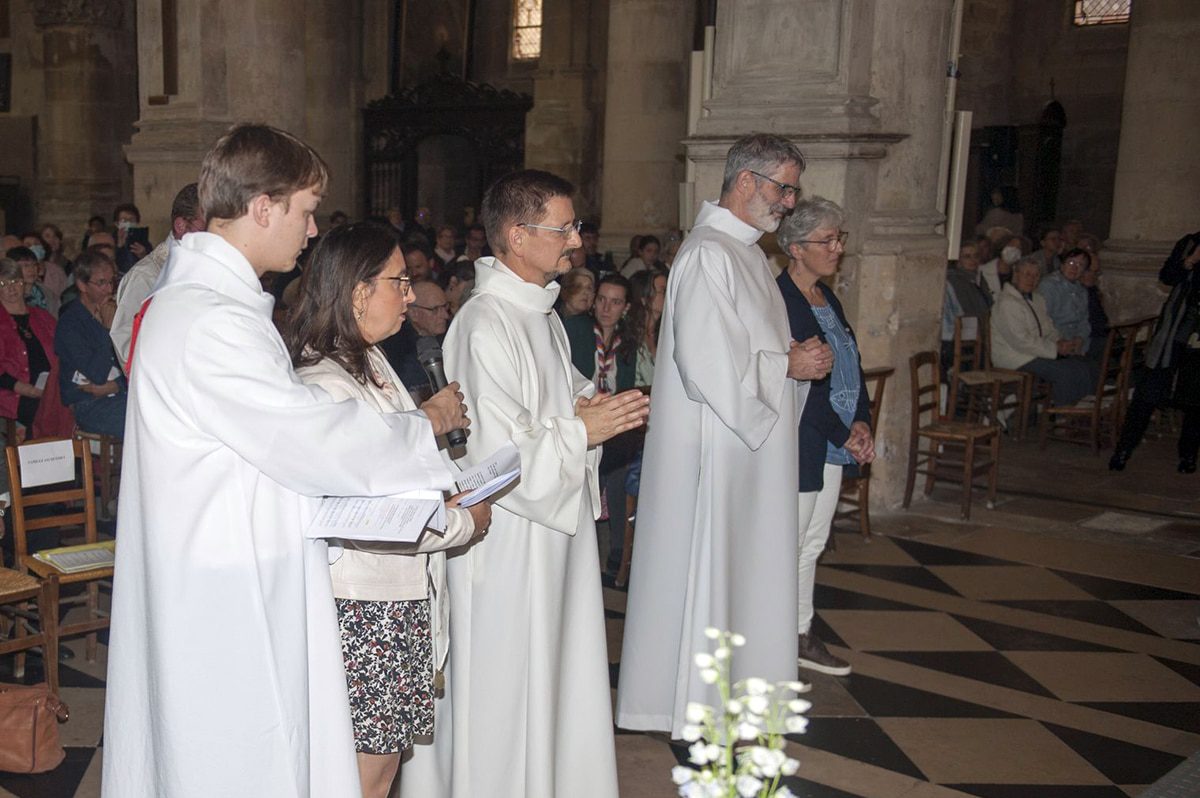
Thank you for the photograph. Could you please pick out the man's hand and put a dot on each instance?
(103, 389)
(1067, 346)
(446, 410)
(608, 415)
(138, 249)
(108, 310)
(860, 444)
(27, 390)
(810, 360)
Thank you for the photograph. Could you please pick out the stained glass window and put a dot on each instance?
(1101, 12)
(527, 30)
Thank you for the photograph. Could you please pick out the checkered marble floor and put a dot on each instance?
(988, 661)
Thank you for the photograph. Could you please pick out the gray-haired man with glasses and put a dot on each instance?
(716, 525)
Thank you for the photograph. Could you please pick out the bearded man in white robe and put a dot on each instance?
(527, 709)
(225, 672)
(716, 541)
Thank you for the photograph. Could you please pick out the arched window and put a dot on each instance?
(527, 30)
(1101, 12)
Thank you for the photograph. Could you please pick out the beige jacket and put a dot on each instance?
(1021, 331)
(387, 572)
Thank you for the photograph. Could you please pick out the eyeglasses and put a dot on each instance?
(786, 191)
(402, 284)
(563, 231)
(828, 243)
(431, 308)
(105, 283)
(11, 283)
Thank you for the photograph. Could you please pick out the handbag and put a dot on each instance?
(29, 718)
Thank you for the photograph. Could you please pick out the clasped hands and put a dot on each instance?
(861, 444)
(809, 360)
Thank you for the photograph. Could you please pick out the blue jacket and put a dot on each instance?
(82, 344)
(819, 423)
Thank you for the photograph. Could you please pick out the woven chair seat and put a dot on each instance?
(958, 430)
(16, 582)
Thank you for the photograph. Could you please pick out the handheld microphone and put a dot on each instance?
(430, 357)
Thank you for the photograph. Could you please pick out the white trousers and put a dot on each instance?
(816, 518)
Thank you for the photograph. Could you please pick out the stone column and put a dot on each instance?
(561, 129)
(1155, 201)
(645, 117)
(861, 88)
(83, 118)
(235, 60)
(333, 123)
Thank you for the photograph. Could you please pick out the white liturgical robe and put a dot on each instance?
(716, 541)
(527, 710)
(225, 672)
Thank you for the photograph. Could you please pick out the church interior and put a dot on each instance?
(1048, 646)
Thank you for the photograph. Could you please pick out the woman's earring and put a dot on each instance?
(358, 313)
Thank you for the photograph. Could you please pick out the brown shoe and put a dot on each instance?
(815, 657)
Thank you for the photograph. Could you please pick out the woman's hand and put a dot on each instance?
(446, 410)
(25, 389)
(861, 444)
(481, 513)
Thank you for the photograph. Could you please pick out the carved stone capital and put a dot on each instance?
(59, 13)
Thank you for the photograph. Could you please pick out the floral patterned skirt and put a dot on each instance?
(388, 650)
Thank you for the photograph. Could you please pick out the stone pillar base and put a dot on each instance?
(1129, 278)
(166, 155)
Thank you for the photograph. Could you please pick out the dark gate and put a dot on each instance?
(491, 120)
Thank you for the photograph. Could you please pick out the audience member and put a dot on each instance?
(1024, 338)
(1072, 229)
(598, 264)
(604, 351)
(1005, 212)
(224, 566)
(56, 262)
(727, 397)
(8, 242)
(429, 312)
(186, 217)
(1090, 279)
(337, 219)
(31, 273)
(127, 217)
(536, 620)
(965, 294)
(476, 244)
(577, 292)
(395, 217)
(984, 249)
(400, 349)
(647, 298)
(356, 290)
(27, 361)
(998, 271)
(1172, 372)
(457, 280)
(1067, 300)
(1051, 243)
(89, 379)
(104, 243)
(835, 428)
(443, 250)
(416, 255)
(648, 249)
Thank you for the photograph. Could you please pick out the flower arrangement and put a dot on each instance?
(738, 749)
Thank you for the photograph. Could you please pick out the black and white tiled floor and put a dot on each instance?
(991, 659)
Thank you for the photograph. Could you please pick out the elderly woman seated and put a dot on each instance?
(1025, 338)
(1067, 299)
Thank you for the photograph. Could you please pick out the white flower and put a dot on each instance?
(734, 707)
(737, 639)
(691, 732)
(797, 687)
(708, 675)
(682, 775)
(702, 753)
(757, 686)
(789, 767)
(799, 705)
(712, 633)
(695, 712)
(796, 724)
(747, 731)
(784, 792)
(757, 704)
(703, 660)
(748, 786)
(722, 653)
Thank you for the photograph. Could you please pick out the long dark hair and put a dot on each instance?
(322, 324)
(640, 297)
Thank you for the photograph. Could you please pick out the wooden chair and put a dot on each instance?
(68, 507)
(18, 592)
(856, 491)
(106, 454)
(976, 384)
(979, 443)
(1095, 419)
(1135, 336)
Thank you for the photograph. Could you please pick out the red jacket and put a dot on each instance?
(14, 359)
